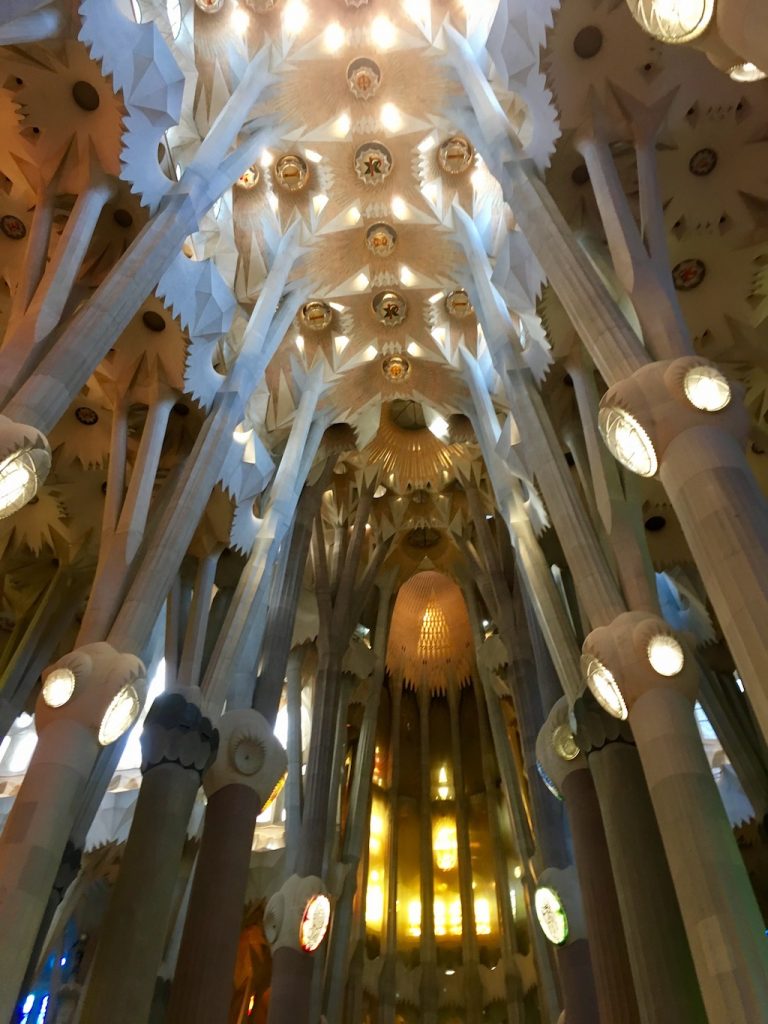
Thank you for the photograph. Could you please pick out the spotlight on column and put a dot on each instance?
(604, 687)
(706, 388)
(673, 21)
(665, 655)
(551, 915)
(565, 743)
(120, 715)
(628, 441)
(25, 459)
(58, 687)
(314, 922)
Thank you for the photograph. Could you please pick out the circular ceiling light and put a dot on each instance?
(291, 172)
(389, 308)
(248, 755)
(456, 155)
(381, 239)
(373, 163)
(249, 178)
(363, 77)
(627, 441)
(665, 654)
(395, 368)
(317, 315)
(18, 482)
(457, 304)
(120, 715)
(747, 72)
(564, 743)
(551, 915)
(314, 922)
(58, 687)
(673, 21)
(603, 686)
(706, 388)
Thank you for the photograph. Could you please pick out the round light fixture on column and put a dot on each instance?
(665, 655)
(249, 178)
(627, 441)
(747, 72)
(673, 21)
(120, 715)
(564, 743)
(551, 915)
(314, 922)
(706, 388)
(58, 687)
(18, 482)
(603, 686)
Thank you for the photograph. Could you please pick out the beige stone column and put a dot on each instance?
(73, 721)
(638, 669)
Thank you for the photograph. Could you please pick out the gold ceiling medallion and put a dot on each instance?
(457, 304)
(317, 315)
(373, 163)
(381, 239)
(249, 178)
(363, 77)
(456, 155)
(12, 227)
(210, 6)
(389, 308)
(291, 172)
(395, 368)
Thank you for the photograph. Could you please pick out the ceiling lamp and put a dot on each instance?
(456, 155)
(389, 308)
(747, 72)
(395, 369)
(363, 77)
(673, 21)
(373, 163)
(120, 715)
(706, 388)
(457, 304)
(291, 172)
(603, 686)
(551, 915)
(58, 687)
(249, 178)
(627, 441)
(665, 654)
(317, 315)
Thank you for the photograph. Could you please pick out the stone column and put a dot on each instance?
(427, 947)
(247, 767)
(178, 744)
(665, 982)
(567, 767)
(78, 702)
(473, 992)
(637, 668)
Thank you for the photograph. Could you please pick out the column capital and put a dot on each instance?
(298, 914)
(557, 748)
(248, 754)
(177, 732)
(25, 460)
(595, 728)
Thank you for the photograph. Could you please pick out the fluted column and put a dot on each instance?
(178, 744)
(427, 946)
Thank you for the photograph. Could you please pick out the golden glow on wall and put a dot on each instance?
(482, 916)
(377, 851)
(447, 916)
(374, 900)
(444, 790)
(413, 919)
(444, 844)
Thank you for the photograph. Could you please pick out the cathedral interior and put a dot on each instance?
(383, 517)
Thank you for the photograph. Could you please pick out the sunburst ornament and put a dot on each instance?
(396, 369)
(456, 155)
(373, 163)
(457, 304)
(363, 77)
(291, 172)
(380, 240)
(249, 178)
(316, 315)
(389, 308)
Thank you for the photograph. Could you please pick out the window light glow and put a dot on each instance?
(431, 192)
(604, 687)
(439, 427)
(22, 753)
(413, 349)
(340, 343)
(273, 201)
(334, 37)
(444, 844)
(58, 687)
(352, 215)
(341, 126)
(295, 17)
(361, 282)
(390, 118)
(173, 7)
(383, 33)
(665, 655)
(374, 901)
(413, 918)
(266, 159)
(706, 388)
(300, 343)
(482, 916)
(370, 353)
(18, 482)
(399, 208)
(627, 441)
(407, 276)
(436, 297)
(319, 202)
(239, 19)
(242, 434)
(427, 143)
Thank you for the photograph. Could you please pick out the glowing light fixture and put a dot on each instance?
(341, 126)
(314, 922)
(407, 277)
(173, 7)
(443, 789)
(399, 208)
(444, 844)
(18, 482)
(361, 282)
(120, 715)
(439, 427)
(319, 203)
(564, 743)
(604, 687)
(383, 33)
(747, 72)
(414, 918)
(340, 342)
(551, 915)
(665, 655)
(673, 21)
(242, 434)
(240, 20)
(390, 118)
(627, 441)
(352, 215)
(295, 17)
(706, 388)
(58, 687)
(482, 916)
(266, 159)
(334, 37)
